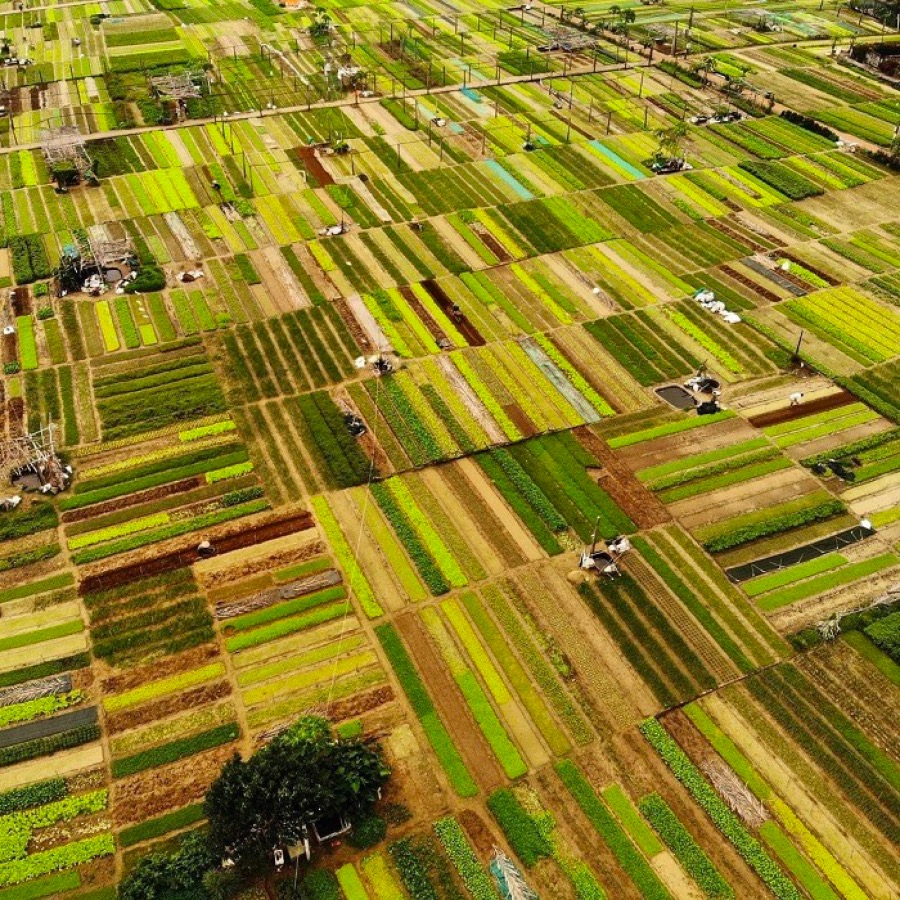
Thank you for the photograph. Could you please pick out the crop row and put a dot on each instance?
(634, 342)
(357, 584)
(458, 849)
(685, 849)
(828, 581)
(536, 661)
(868, 777)
(175, 750)
(752, 526)
(716, 622)
(475, 697)
(518, 677)
(45, 746)
(422, 705)
(597, 813)
(526, 840)
(650, 642)
(722, 817)
(64, 857)
(771, 831)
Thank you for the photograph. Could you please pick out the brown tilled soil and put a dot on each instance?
(307, 156)
(155, 791)
(428, 321)
(167, 706)
(153, 565)
(520, 420)
(157, 493)
(639, 504)
(353, 327)
(686, 443)
(479, 833)
(190, 659)
(450, 704)
(465, 327)
(789, 413)
(354, 706)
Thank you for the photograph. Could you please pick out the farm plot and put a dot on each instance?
(137, 397)
(802, 758)
(440, 409)
(425, 545)
(846, 424)
(709, 471)
(853, 322)
(299, 642)
(634, 343)
(177, 484)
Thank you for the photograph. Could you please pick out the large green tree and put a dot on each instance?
(302, 775)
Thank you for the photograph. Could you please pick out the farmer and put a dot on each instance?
(795, 398)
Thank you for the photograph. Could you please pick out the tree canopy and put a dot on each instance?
(302, 775)
(261, 803)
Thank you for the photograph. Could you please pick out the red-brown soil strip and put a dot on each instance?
(178, 558)
(309, 159)
(450, 703)
(157, 493)
(466, 328)
(804, 408)
(638, 503)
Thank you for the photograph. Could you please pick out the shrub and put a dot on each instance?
(522, 833)
(368, 832)
(809, 124)
(885, 634)
(149, 279)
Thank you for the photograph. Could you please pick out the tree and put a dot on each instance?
(670, 140)
(303, 775)
(320, 29)
(173, 876)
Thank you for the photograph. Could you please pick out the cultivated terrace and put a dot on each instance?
(361, 327)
